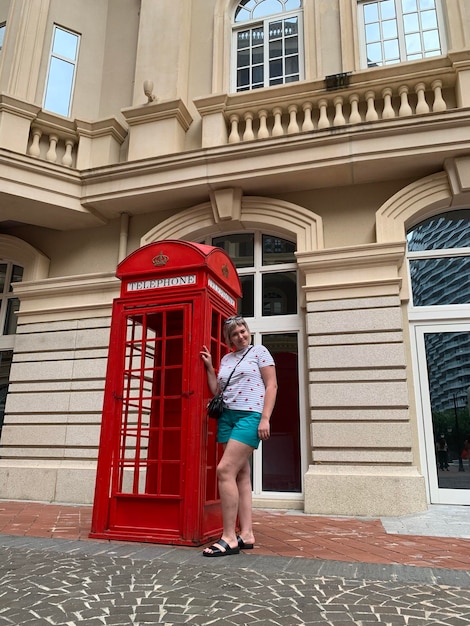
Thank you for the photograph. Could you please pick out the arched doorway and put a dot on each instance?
(268, 273)
(262, 235)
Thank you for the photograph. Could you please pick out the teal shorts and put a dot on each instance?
(239, 425)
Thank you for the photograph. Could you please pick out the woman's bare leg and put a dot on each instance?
(235, 457)
(245, 505)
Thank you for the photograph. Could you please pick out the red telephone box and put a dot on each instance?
(156, 475)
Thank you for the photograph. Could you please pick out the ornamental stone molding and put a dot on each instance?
(228, 210)
(34, 262)
(444, 191)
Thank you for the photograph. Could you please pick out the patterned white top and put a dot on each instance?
(245, 391)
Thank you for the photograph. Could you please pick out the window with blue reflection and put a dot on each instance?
(447, 230)
(65, 44)
(62, 70)
(440, 281)
(439, 259)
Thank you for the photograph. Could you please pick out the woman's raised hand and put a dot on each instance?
(206, 356)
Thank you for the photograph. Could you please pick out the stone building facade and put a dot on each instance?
(308, 138)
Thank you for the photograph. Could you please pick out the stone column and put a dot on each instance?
(20, 69)
(361, 437)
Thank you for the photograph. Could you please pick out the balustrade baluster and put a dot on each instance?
(307, 124)
(248, 135)
(421, 106)
(278, 130)
(34, 149)
(371, 113)
(339, 117)
(405, 108)
(323, 121)
(388, 111)
(51, 154)
(293, 125)
(263, 131)
(439, 102)
(67, 158)
(354, 115)
(234, 136)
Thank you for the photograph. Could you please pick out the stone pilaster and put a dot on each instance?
(361, 438)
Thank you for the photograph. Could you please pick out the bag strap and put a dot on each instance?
(228, 379)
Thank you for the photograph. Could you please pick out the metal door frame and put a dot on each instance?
(435, 494)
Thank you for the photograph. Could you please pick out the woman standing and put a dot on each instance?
(249, 401)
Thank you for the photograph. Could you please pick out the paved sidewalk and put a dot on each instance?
(305, 570)
(294, 534)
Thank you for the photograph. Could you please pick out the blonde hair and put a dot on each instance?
(229, 326)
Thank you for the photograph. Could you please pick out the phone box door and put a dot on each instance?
(156, 466)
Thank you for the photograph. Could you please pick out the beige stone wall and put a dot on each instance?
(106, 69)
(119, 58)
(348, 212)
(194, 160)
(75, 252)
(50, 438)
(4, 9)
(54, 411)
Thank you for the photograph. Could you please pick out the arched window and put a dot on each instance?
(266, 265)
(267, 268)
(439, 267)
(268, 43)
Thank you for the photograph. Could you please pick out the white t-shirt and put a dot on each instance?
(245, 391)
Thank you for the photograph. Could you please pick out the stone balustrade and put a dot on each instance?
(333, 110)
(75, 143)
(52, 147)
(54, 139)
(25, 128)
(391, 94)
(385, 93)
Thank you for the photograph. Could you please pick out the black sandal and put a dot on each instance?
(227, 551)
(244, 546)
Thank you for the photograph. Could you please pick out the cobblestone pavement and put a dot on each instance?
(68, 583)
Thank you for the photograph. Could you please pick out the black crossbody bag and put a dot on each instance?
(216, 405)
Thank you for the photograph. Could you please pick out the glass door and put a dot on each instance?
(280, 463)
(267, 268)
(443, 356)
